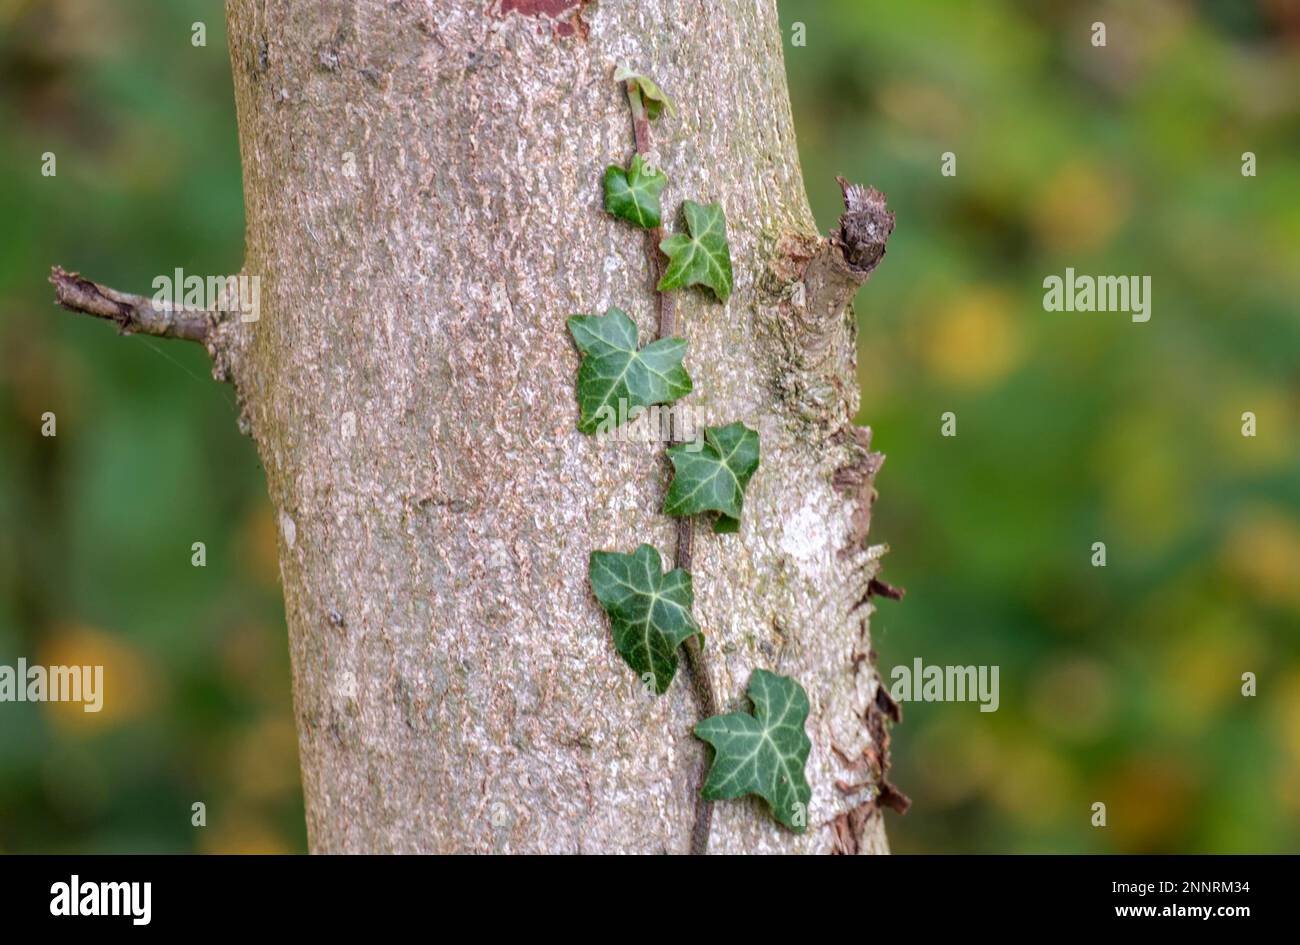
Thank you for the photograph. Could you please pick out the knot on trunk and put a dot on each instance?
(865, 226)
(811, 283)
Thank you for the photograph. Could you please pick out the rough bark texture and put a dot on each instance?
(410, 387)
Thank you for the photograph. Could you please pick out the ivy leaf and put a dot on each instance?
(712, 476)
(634, 194)
(763, 753)
(652, 97)
(616, 377)
(702, 258)
(649, 611)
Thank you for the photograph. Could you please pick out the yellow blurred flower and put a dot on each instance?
(1263, 552)
(130, 684)
(1147, 803)
(1079, 208)
(973, 341)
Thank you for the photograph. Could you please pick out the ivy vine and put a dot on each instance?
(763, 753)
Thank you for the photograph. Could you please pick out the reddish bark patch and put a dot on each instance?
(555, 9)
(566, 15)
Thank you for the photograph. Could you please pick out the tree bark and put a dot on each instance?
(424, 210)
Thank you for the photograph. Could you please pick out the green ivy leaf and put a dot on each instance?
(702, 258)
(614, 370)
(652, 97)
(712, 476)
(763, 753)
(633, 194)
(649, 611)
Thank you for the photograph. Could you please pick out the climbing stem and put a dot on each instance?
(702, 683)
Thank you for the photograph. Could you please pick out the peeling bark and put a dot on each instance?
(410, 387)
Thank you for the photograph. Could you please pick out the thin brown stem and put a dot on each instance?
(702, 684)
(655, 236)
(133, 314)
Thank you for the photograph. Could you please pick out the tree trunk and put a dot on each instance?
(424, 210)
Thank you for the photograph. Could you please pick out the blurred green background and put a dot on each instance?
(1118, 684)
(97, 523)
